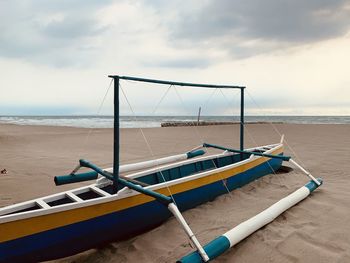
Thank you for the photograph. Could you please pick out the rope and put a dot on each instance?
(97, 113)
(161, 99)
(201, 139)
(145, 138)
(193, 122)
(209, 128)
(278, 132)
(187, 111)
(255, 143)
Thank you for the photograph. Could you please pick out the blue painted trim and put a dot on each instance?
(312, 185)
(213, 249)
(72, 239)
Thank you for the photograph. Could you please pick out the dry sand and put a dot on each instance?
(316, 230)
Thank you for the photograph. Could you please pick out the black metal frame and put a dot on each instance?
(117, 78)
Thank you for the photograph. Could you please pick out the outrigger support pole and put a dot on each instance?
(200, 250)
(283, 157)
(159, 197)
(232, 237)
(305, 172)
(163, 199)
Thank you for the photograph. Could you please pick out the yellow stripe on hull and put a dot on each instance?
(28, 226)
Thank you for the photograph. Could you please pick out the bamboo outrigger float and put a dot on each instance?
(118, 206)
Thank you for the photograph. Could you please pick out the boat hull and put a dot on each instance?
(79, 236)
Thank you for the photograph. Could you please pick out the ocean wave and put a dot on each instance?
(155, 121)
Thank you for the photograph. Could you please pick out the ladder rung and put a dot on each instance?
(99, 191)
(42, 204)
(74, 197)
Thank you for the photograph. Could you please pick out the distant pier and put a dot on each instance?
(208, 123)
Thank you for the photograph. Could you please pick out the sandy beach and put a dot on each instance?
(316, 230)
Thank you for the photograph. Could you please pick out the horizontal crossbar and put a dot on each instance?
(159, 197)
(283, 157)
(175, 83)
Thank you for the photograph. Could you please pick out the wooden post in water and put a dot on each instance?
(199, 115)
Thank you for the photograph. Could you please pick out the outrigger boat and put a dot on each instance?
(129, 199)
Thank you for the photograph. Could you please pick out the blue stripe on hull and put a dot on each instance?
(72, 239)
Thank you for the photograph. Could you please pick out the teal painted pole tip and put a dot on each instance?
(312, 185)
(213, 249)
(75, 178)
(196, 153)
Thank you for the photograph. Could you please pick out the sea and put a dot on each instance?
(155, 121)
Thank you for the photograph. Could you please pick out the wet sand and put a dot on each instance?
(316, 230)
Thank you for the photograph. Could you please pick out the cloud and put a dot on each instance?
(251, 27)
(189, 62)
(65, 33)
(40, 110)
(72, 28)
(50, 32)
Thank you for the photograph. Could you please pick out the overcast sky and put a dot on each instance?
(293, 55)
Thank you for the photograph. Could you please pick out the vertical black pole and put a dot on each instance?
(116, 135)
(242, 121)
